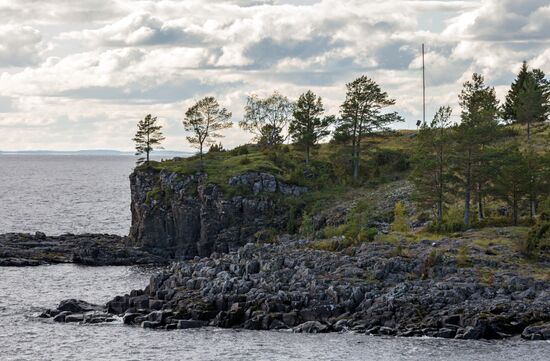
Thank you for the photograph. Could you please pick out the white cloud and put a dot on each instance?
(19, 45)
(98, 66)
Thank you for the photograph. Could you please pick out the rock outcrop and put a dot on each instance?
(184, 216)
(22, 249)
(367, 289)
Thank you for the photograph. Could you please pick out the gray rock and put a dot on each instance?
(311, 327)
(185, 324)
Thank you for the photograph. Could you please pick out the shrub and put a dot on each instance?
(462, 259)
(245, 161)
(452, 222)
(400, 219)
(240, 150)
(307, 228)
(538, 239)
(429, 263)
(267, 235)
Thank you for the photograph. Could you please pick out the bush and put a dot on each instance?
(462, 259)
(538, 239)
(268, 235)
(452, 222)
(240, 150)
(400, 219)
(307, 229)
(245, 161)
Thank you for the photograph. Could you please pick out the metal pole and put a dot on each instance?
(423, 88)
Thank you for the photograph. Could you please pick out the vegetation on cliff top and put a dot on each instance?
(479, 172)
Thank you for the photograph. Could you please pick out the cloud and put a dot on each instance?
(19, 45)
(139, 29)
(98, 66)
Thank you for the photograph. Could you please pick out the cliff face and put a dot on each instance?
(186, 216)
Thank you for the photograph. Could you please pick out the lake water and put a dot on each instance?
(65, 193)
(57, 194)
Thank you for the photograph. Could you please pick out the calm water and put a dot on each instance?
(59, 194)
(65, 193)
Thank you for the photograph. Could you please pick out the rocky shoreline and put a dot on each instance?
(23, 249)
(424, 288)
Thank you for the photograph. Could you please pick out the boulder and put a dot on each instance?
(311, 327)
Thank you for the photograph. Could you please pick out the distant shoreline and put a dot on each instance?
(95, 152)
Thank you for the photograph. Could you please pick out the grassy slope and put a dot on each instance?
(328, 177)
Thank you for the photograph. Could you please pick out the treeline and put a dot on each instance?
(275, 119)
(489, 157)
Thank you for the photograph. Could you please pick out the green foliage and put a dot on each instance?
(528, 98)
(400, 220)
(240, 150)
(148, 137)
(431, 261)
(245, 161)
(307, 228)
(452, 222)
(360, 114)
(267, 235)
(431, 163)
(216, 148)
(538, 239)
(462, 259)
(355, 230)
(308, 126)
(205, 119)
(266, 118)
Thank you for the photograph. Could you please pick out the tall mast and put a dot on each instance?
(423, 88)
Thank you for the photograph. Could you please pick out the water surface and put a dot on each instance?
(61, 193)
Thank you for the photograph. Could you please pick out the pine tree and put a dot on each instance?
(148, 137)
(430, 162)
(267, 118)
(361, 115)
(539, 88)
(308, 126)
(478, 130)
(205, 118)
(512, 180)
(529, 104)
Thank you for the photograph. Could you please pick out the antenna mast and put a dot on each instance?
(423, 88)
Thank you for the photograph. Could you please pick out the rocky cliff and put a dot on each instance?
(181, 216)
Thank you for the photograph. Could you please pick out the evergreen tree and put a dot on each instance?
(267, 118)
(512, 179)
(205, 118)
(431, 169)
(361, 115)
(148, 137)
(529, 104)
(478, 129)
(538, 84)
(308, 126)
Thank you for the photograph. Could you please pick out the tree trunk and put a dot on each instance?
(515, 210)
(307, 154)
(468, 191)
(440, 190)
(479, 199)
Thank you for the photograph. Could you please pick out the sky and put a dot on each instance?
(80, 74)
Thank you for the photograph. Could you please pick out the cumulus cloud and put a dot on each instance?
(19, 45)
(100, 65)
